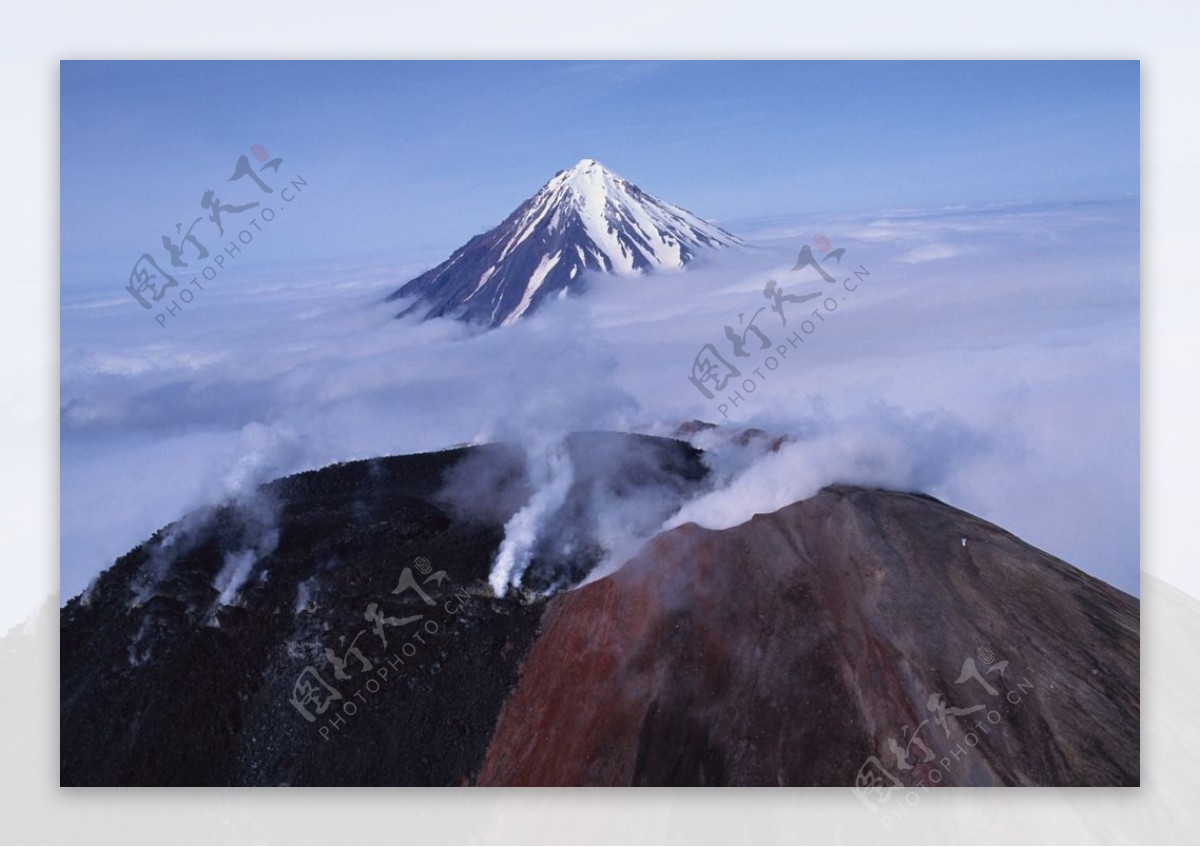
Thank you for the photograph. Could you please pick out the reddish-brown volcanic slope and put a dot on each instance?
(788, 650)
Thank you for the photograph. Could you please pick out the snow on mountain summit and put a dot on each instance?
(586, 218)
(631, 229)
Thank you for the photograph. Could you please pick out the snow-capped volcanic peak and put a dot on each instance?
(630, 230)
(584, 219)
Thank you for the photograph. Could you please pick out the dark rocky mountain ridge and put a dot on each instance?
(788, 650)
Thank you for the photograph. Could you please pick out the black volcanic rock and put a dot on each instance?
(584, 219)
(792, 649)
(162, 684)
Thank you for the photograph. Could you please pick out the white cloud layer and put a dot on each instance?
(990, 358)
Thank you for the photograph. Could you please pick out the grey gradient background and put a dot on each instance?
(35, 37)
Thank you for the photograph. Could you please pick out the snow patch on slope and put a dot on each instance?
(535, 282)
(586, 218)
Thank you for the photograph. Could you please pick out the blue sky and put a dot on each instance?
(295, 363)
(411, 158)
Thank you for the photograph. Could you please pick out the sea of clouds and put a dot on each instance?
(989, 357)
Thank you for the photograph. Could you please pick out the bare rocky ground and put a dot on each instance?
(804, 647)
